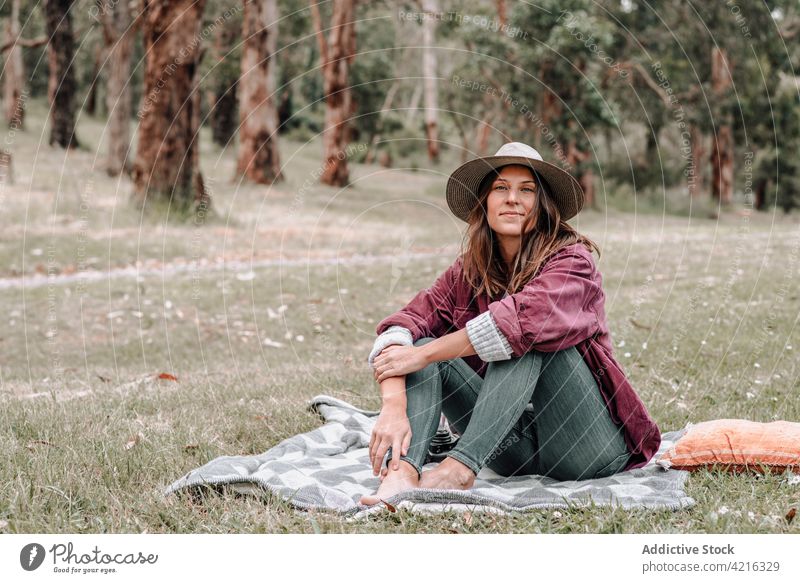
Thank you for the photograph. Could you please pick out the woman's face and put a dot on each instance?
(511, 199)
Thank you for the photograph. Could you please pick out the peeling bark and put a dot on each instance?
(14, 74)
(166, 159)
(259, 160)
(336, 54)
(118, 35)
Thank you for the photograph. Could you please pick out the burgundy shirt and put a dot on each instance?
(562, 306)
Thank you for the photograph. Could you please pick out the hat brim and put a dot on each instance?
(463, 184)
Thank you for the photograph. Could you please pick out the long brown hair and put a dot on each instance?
(483, 265)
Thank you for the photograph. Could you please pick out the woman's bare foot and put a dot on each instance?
(392, 482)
(450, 474)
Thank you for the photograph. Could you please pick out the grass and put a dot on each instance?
(703, 315)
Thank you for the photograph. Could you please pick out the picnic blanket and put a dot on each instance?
(328, 468)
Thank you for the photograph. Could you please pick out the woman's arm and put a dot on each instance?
(396, 360)
(392, 427)
(454, 345)
(428, 314)
(553, 311)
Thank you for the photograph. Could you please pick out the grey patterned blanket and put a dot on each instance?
(328, 468)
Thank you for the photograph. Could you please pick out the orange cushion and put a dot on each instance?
(736, 445)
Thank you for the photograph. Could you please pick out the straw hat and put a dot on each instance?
(462, 186)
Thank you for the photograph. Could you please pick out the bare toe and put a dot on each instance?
(369, 500)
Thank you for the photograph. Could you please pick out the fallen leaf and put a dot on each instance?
(468, 518)
(104, 379)
(389, 506)
(167, 377)
(790, 514)
(190, 447)
(133, 441)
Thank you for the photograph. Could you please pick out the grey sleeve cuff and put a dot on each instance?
(489, 343)
(392, 335)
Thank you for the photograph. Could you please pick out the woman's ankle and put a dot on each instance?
(405, 468)
(455, 464)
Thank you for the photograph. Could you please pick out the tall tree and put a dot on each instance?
(90, 104)
(259, 159)
(722, 140)
(336, 55)
(13, 76)
(166, 165)
(118, 36)
(61, 83)
(431, 80)
(222, 94)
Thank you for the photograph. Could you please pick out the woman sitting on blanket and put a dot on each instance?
(517, 319)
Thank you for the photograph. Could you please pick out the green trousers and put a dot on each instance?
(568, 434)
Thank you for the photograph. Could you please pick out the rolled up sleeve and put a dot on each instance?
(394, 335)
(554, 310)
(487, 340)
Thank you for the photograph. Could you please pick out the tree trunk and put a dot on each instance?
(118, 35)
(482, 134)
(202, 195)
(222, 98)
(223, 115)
(722, 142)
(91, 95)
(14, 76)
(502, 12)
(760, 202)
(585, 176)
(166, 157)
(550, 108)
(430, 7)
(61, 82)
(722, 160)
(259, 159)
(462, 133)
(336, 54)
(694, 180)
(413, 104)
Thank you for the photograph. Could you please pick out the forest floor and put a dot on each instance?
(275, 299)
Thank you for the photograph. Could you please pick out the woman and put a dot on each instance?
(517, 320)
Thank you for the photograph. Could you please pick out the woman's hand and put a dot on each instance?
(397, 360)
(391, 429)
